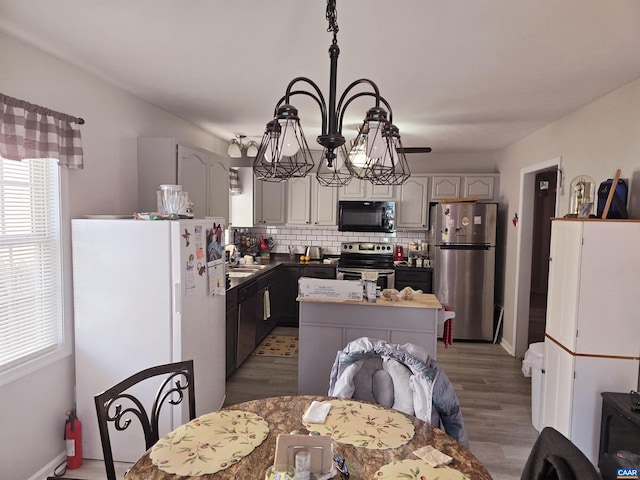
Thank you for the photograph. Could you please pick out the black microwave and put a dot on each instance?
(363, 216)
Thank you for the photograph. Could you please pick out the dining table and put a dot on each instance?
(368, 454)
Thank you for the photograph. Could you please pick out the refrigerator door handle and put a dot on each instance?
(464, 246)
(177, 306)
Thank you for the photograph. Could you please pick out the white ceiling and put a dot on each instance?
(460, 75)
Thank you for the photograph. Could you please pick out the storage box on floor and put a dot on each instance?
(532, 367)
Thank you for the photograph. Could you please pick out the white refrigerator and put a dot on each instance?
(146, 293)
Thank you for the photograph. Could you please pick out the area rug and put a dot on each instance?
(277, 346)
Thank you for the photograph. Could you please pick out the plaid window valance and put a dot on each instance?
(31, 131)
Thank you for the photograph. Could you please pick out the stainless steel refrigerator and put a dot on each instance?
(463, 237)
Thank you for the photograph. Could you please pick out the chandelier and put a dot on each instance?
(375, 155)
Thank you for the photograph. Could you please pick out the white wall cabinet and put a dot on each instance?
(270, 203)
(365, 190)
(203, 174)
(413, 203)
(592, 331)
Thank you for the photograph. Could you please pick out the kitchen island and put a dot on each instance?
(326, 326)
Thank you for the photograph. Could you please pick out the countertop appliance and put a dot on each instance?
(142, 297)
(314, 253)
(358, 257)
(364, 216)
(463, 237)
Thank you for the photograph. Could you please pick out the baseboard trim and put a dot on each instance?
(47, 470)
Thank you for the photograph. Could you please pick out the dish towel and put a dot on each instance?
(267, 306)
(447, 333)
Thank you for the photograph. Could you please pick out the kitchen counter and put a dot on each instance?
(276, 260)
(327, 326)
(421, 300)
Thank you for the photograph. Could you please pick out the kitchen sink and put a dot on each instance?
(247, 267)
(236, 273)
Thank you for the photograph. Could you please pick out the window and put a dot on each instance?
(31, 287)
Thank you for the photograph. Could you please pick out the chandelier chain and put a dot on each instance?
(332, 18)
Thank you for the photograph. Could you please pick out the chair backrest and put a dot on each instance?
(553, 456)
(376, 371)
(109, 404)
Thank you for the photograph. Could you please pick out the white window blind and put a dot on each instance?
(31, 322)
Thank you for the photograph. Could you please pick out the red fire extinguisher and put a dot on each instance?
(73, 437)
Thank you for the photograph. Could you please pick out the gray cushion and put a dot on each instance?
(383, 388)
(363, 380)
(403, 395)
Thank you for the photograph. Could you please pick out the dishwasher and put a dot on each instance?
(247, 322)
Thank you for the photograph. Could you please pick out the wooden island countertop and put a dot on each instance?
(420, 300)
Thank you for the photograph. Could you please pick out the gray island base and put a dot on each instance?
(326, 326)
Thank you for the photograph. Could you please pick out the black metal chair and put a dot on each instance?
(109, 404)
(553, 456)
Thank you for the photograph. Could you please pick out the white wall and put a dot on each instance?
(594, 140)
(32, 408)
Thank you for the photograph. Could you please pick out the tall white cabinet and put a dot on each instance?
(592, 341)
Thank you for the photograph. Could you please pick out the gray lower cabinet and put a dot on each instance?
(326, 327)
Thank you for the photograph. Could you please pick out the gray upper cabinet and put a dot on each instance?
(365, 190)
(299, 201)
(413, 203)
(270, 203)
(203, 174)
(481, 186)
(309, 203)
(445, 186)
(324, 204)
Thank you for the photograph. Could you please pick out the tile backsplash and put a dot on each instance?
(329, 238)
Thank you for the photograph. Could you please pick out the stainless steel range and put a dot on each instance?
(358, 257)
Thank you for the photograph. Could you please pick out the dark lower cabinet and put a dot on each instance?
(289, 278)
(247, 321)
(416, 278)
(231, 331)
(289, 275)
(268, 306)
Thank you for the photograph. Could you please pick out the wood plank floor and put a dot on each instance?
(494, 395)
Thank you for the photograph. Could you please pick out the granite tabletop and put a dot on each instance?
(284, 414)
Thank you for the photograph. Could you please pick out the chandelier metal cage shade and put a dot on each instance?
(284, 152)
(373, 156)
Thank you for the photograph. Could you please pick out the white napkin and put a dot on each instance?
(317, 412)
(433, 457)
